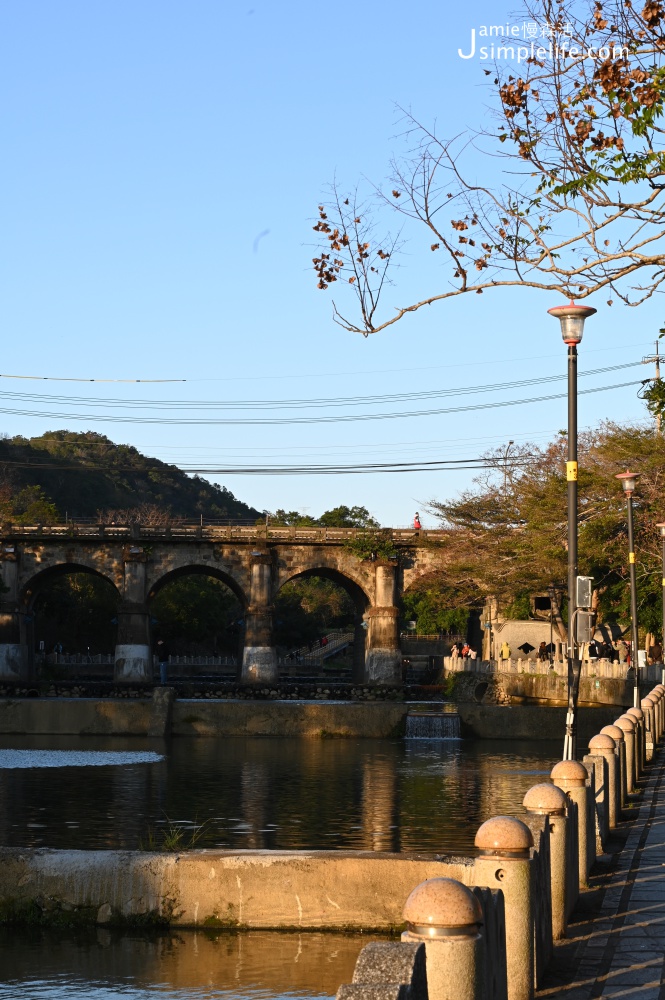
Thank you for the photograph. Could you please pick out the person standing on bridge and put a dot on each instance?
(416, 522)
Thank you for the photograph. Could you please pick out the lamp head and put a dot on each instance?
(628, 481)
(661, 528)
(572, 319)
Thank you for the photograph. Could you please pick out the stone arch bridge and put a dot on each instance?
(254, 562)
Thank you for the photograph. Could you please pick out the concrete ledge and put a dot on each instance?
(288, 718)
(530, 722)
(196, 717)
(253, 889)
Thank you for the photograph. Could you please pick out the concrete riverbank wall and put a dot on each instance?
(163, 716)
(251, 889)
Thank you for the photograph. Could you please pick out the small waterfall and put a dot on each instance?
(432, 726)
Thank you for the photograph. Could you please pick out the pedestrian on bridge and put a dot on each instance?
(416, 522)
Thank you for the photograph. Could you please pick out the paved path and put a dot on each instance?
(619, 951)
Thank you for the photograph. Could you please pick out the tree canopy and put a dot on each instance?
(338, 517)
(506, 536)
(83, 474)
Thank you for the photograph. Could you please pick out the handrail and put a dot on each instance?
(212, 532)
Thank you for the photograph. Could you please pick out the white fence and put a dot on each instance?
(653, 672)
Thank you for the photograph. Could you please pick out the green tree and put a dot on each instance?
(348, 517)
(197, 614)
(306, 608)
(78, 611)
(507, 535)
(338, 517)
(435, 607)
(27, 505)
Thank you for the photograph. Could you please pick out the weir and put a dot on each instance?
(423, 725)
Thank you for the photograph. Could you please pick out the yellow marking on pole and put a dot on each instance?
(631, 557)
(571, 471)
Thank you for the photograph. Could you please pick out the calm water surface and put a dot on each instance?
(401, 795)
(187, 966)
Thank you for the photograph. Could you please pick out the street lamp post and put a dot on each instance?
(661, 528)
(628, 481)
(572, 319)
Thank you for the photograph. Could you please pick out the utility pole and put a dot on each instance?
(655, 359)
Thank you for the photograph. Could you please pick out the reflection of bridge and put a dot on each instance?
(254, 562)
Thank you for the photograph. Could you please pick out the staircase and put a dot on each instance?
(336, 643)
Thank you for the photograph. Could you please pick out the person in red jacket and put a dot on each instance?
(416, 522)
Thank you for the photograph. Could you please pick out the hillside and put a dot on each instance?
(83, 474)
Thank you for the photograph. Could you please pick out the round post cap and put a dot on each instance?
(646, 703)
(601, 744)
(441, 907)
(504, 836)
(614, 732)
(625, 723)
(569, 773)
(545, 800)
(635, 713)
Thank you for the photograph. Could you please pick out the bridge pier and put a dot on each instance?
(133, 654)
(259, 655)
(14, 650)
(383, 657)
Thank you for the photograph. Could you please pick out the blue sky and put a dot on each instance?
(148, 146)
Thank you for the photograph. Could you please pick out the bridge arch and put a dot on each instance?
(70, 608)
(356, 590)
(36, 583)
(198, 569)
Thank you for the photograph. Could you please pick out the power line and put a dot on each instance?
(262, 421)
(318, 374)
(334, 401)
(432, 465)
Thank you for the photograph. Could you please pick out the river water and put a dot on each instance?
(91, 793)
(388, 795)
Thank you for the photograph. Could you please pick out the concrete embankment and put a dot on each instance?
(253, 889)
(530, 722)
(163, 716)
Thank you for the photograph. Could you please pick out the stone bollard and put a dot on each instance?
(447, 917)
(656, 698)
(616, 733)
(605, 747)
(660, 689)
(572, 777)
(548, 800)
(640, 738)
(628, 727)
(648, 705)
(504, 862)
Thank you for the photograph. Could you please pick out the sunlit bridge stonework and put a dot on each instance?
(254, 562)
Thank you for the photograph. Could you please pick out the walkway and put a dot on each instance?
(618, 950)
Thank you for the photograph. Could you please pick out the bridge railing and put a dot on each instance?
(211, 532)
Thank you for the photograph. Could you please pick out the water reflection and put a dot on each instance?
(245, 966)
(386, 795)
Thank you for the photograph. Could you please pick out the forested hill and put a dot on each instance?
(84, 474)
